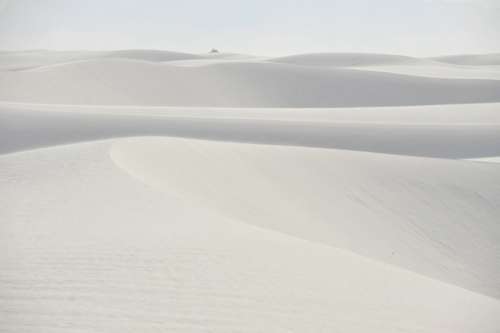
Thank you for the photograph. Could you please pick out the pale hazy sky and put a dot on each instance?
(262, 27)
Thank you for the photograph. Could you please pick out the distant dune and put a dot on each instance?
(453, 67)
(149, 55)
(345, 59)
(19, 60)
(472, 59)
(236, 84)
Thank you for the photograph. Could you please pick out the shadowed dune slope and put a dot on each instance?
(444, 131)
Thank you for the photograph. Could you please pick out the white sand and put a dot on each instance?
(472, 59)
(343, 199)
(241, 84)
(452, 131)
(37, 58)
(494, 159)
(189, 219)
(345, 59)
(455, 67)
(105, 253)
(445, 71)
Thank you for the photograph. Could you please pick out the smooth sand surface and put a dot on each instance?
(345, 59)
(22, 60)
(154, 191)
(328, 196)
(104, 252)
(472, 59)
(441, 71)
(232, 84)
(451, 131)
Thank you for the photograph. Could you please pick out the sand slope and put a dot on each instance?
(343, 199)
(149, 55)
(453, 67)
(22, 60)
(128, 82)
(169, 263)
(344, 59)
(472, 59)
(437, 70)
(452, 131)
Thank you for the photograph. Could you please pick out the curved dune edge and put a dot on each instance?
(426, 222)
(85, 260)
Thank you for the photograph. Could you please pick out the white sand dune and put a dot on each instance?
(38, 58)
(345, 59)
(343, 199)
(129, 82)
(149, 55)
(373, 59)
(437, 70)
(434, 68)
(472, 59)
(230, 193)
(495, 159)
(400, 64)
(137, 259)
(452, 131)
(11, 60)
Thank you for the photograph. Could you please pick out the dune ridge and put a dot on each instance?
(129, 82)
